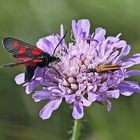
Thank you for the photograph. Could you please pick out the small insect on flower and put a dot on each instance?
(28, 55)
(105, 68)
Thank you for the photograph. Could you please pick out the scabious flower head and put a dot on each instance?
(75, 84)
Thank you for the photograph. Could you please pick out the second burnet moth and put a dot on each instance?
(28, 55)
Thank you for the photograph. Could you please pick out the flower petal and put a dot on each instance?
(78, 110)
(124, 52)
(92, 97)
(42, 95)
(132, 73)
(119, 44)
(135, 59)
(47, 110)
(19, 79)
(113, 94)
(39, 72)
(82, 27)
(61, 30)
(31, 86)
(127, 88)
(108, 106)
(86, 102)
(112, 57)
(99, 34)
(112, 39)
(49, 43)
(70, 98)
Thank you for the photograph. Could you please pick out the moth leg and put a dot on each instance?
(12, 64)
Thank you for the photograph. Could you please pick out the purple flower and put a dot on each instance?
(77, 85)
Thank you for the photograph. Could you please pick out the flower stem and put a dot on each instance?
(76, 130)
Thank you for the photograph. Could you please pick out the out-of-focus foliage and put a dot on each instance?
(29, 20)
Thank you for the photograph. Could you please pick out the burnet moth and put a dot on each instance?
(28, 55)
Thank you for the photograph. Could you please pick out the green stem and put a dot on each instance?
(76, 130)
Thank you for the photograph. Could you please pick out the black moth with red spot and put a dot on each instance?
(27, 55)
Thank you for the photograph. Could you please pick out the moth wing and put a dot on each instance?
(29, 73)
(21, 50)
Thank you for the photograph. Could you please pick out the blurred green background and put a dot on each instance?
(30, 20)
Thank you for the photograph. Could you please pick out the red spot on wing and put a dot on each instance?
(36, 51)
(22, 50)
(37, 60)
(15, 44)
(22, 58)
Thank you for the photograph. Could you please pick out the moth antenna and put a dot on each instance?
(59, 42)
